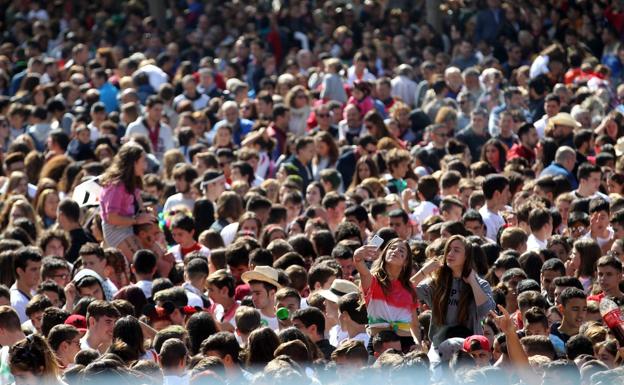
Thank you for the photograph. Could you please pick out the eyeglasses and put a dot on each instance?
(301, 96)
(442, 134)
(323, 115)
(246, 107)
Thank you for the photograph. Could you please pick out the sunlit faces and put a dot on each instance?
(30, 275)
(313, 195)
(574, 312)
(546, 281)
(456, 255)
(397, 254)
(54, 247)
(291, 303)
(609, 279)
(94, 291)
(140, 166)
(260, 296)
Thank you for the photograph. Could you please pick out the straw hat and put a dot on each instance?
(339, 288)
(564, 119)
(263, 274)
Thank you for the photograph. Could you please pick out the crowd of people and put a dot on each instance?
(311, 192)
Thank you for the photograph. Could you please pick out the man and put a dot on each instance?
(93, 257)
(304, 153)
(541, 224)
(247, 320)
(403, 86)
(338, 289)
(358, 70)
(322, 113)
(191, 94)
(435, 150)
(476, 134)
(221, 288)
(451, 209)
(183, 174)
(584, 144)
(599, 223)
(65, 342)
(144, 267)
(278, 129)
(172, 358)
(213, 184)
(353, 318)
(561, 127)
(335, 205)
(27, 267)
(473, 222)
(108, 92)
(513, 101)
(150, 125)
(466, 56)
(312, 323)
(240, 126)
(225, 346)
(57, 143)
(609, 276)
(207, 85)
(496, 192)
(565, 159)
(263, 282)
(400, 222)
(478, 347)
(101, 318)
(551, 269)
(573, 307)
(552, 106)
(589, 178)
(352, 126)
(358, 216)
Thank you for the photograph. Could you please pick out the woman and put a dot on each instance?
(17, 184)
(248, 223)
(390, 297)
(615, 183)
(494, 153)
(32, 361)
(223, 139)
(582, 264)
(451, 288)
(374, 124)
(229, 209)
(326, 153)
(120, 199)
(560, 246)
(46, 207)
(260, 347)
(314, 194)
(128, 329)
(366, 167)
(299, 102)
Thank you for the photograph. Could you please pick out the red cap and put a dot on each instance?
(77, 320)
(483, 343)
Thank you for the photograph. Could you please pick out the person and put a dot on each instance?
(563, 165)
(353, 318)
(525, 147)
(172, 358)
(101, 317)
(64, 340)
(609, 270)
(10, 333)
(144, 268)
(304, 153)
(221, 289)
(540, 222)
(33, 362)
(27, 266)
(496, 192)
(159, 133)
(312, 323)
(453, 290)
(573, 308)
(92, 256)
(68, 218)
(225, 346)
(390, 297)
(183, 233)
(263, 283)
(120, 200)
(183, 175)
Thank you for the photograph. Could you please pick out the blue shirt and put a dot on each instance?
(555, 169)
(108, 96)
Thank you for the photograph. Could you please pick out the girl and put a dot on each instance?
(46, 207)
(361, 97)
(326, 153)
(364, 168)
(453, 291)
(390, 297)
(299, 102)
(120, 199)
(33, 362)
(314, 194)
(494, 153)
(582, 264)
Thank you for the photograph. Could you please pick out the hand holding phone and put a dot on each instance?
(376, 241)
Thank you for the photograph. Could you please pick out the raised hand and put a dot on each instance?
(365, 253)
(503, 321)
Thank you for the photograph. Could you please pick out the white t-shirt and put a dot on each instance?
(229, 233)
(425, 210)
(493, 221)
(177, 200)
(146, 286)
(534, 244)
(270, 321)
(19, 301)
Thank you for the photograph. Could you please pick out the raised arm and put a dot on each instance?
(428, 268)
(361, 255)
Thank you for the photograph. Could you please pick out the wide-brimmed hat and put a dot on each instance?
(339, 288)
(263, 274)
(564, 119)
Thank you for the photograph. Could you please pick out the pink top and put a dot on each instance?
(116, 199)
(364, 105)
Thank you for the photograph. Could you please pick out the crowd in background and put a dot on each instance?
(311, 192)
